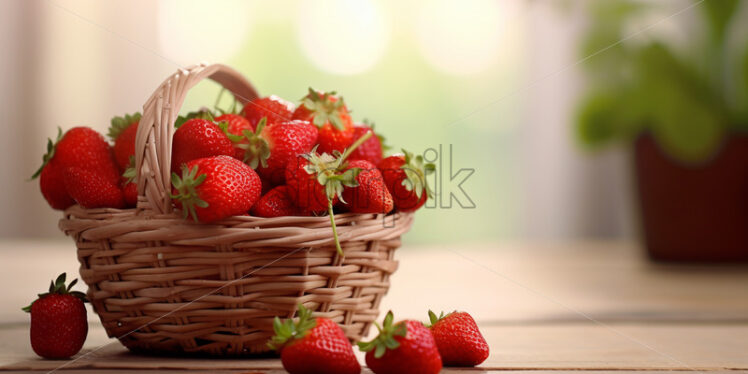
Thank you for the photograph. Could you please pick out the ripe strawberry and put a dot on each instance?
(371, 195)
(405, 347)
(199, 138)
(236, 125)
(90, 190)
(458, 338)
(215, 188)
(275, 203)
(84, 148)
(122, 131)
(304, 186)
(313, 346)
(130, 194)
(316, 181)
(58, 321)
(270, 148)
(53, 187)
(370, 150)
(330, 115)
(405, 177)
(272, 107)
(129, 186)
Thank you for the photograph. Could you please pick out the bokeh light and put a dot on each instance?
(343, 36)
(460, 37)
(186, 34)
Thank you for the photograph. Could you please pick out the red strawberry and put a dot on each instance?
(270, 148)
(91, 190)
(405, 177)
(122, 131)
(316, 181)
(370, 150)
(58, 321)
(51, 178)
(198, 138)
(405, 347)
(84, 148)
(371, 195)
(305, 189)
(215, 188)
(53, 187)
(330, 115)
(275, 203)
(272, 107)
(313, 346)
(236, 125)
(129, 186)
(458, 338)
(130, 193)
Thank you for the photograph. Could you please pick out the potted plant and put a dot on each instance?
(683, 108)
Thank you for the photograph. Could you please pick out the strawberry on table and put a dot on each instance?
(271, 146)
(371, 195)
(329, 113)
(91, 190)
(459, 341)
(214, 188)
(58, 321)
(272, 107)
(370, 150)
(405, 177)
(122, 132)
(403, 347)
(313, 346)
(275, 203)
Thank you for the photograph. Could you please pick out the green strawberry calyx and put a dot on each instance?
(51, 146)
(329, 172)
(386, 338)
(120, 124)
(324, 109)
(257, 149)
(433, 318)
(288, 330)
(416, 170)
(130, 173)
(58, 287)
(186, 187)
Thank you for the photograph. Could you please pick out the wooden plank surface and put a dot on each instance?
(576, 306)
(558, 346)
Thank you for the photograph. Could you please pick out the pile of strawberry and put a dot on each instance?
(269, 160)
(318, 345)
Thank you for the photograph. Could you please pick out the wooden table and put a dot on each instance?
(592, 306)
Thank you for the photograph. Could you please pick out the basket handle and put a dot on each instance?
(154, 136)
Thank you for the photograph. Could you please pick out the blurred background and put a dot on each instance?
(526, 93)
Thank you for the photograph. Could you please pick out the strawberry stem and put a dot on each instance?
(334, 228)
(355, 145)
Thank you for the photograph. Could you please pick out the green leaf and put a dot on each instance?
(119, 124)
(718, 14)
(688, 120)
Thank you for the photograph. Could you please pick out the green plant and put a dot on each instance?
(687, 98)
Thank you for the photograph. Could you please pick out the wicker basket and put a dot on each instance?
(164, 285)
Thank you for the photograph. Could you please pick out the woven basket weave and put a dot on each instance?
(164, 285)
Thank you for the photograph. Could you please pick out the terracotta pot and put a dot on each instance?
(694, 212)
